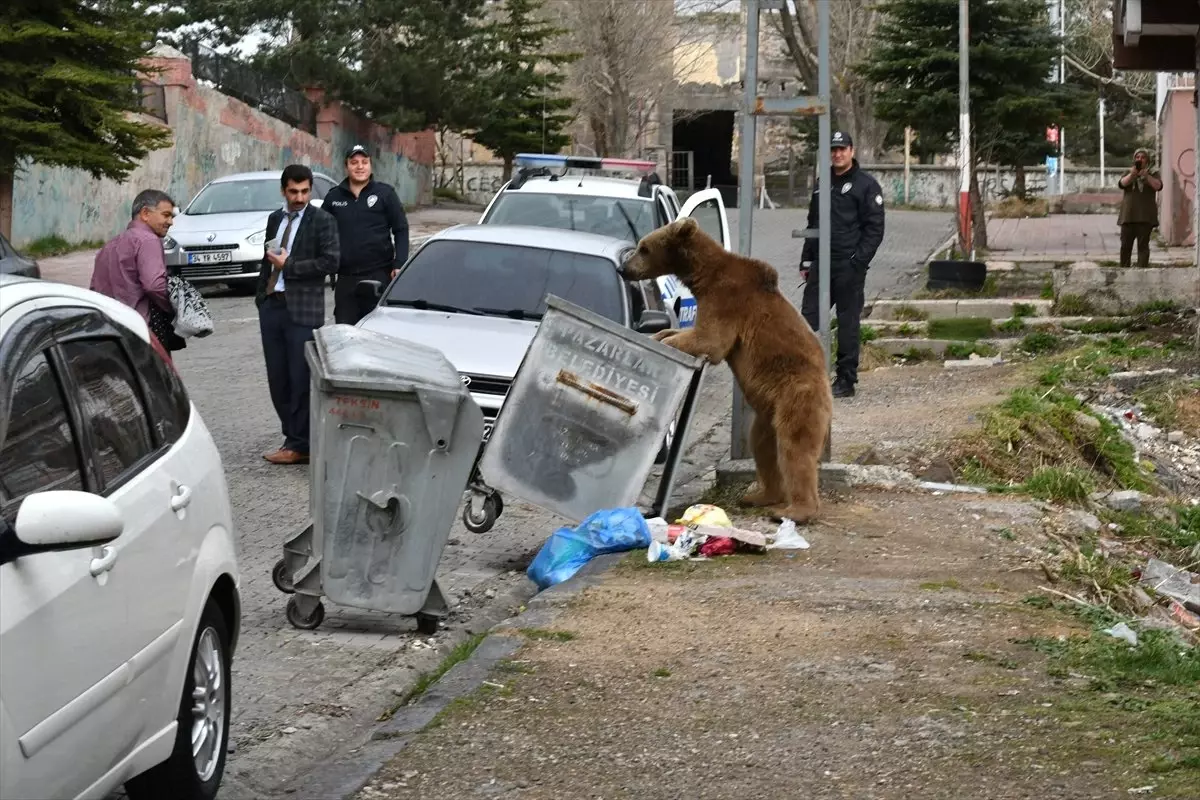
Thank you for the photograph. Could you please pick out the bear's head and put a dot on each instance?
(668, 250)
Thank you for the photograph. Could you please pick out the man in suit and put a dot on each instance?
(301, 252)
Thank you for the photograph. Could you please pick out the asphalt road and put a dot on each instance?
(300, 697)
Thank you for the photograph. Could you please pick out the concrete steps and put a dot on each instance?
(992, 308)
(919, 328)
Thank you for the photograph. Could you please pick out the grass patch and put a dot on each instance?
(661, 672)
(968, 349)
(1024, 310)
(1016, 208)
(1047, 291)
(866, 333)
(960, 328)
(1039, 342)
(1014, 325)
(544, 635)
(55, 245)
(907, 329)
(918, 354)
(1062, 485)
(937, 586)
(1173, 404)
(1073, 305)
(910, 313)
(1156, 307)
(459, 654)
(1098, 326)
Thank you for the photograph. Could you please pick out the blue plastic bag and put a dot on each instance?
(567, 550)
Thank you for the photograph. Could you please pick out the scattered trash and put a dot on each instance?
(1123, 631)
(788, 538)
(682, 548)
(567, 549)
(1184, 617)
(704, 531)
(1144, 789)
(718, 546)
(942, 488)
(704, 514)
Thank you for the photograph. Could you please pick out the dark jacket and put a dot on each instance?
(366, 225)
(855, 218)
(313, 256)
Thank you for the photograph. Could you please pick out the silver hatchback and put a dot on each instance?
(219, 236)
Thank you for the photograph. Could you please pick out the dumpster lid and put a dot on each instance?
(353, 358)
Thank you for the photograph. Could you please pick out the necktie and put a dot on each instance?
(273, 281)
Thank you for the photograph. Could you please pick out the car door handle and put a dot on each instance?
(108, 557)
(181, 499)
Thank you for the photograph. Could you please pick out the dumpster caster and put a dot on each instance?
(481, 521)
(427, 624)
(281, 578)
(311, 622)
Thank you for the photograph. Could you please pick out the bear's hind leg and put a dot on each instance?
(766, 464)
(800, 445)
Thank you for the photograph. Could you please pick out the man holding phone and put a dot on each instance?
(1139, 208)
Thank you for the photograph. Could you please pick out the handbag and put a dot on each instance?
(160, 324)
(192, 317)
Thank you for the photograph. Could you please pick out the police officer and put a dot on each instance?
(369, 216)
(856, 231)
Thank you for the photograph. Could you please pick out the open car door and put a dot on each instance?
(708, 209)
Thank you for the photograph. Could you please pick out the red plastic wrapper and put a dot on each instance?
(718, 546)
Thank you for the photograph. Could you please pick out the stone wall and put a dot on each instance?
(213, 135)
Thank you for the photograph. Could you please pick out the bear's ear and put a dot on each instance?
(685, 227)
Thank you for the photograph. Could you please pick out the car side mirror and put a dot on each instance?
(61, 520)
(651, 322)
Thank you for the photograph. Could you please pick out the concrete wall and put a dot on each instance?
(1119, 291)
(1178, 127)
(214, 135)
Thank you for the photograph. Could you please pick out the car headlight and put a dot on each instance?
(258, 238)
(169, 243)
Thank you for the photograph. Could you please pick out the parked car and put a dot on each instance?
(13, 263)
(477, 292)
(621, 207)
(219, 236)
(119, 585)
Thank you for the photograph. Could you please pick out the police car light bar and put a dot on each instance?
(582, 162)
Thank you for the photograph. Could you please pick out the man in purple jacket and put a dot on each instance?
(131, 268)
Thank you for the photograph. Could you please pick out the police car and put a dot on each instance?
(587, 194)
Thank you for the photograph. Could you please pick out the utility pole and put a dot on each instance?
(1062, 76)
(754, 106)
(1102, 179)
(965, 245)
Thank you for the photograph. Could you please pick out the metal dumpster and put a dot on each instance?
(395, 438)
(586, 415)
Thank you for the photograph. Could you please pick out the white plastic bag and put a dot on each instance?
(788, 538)
(192, 317)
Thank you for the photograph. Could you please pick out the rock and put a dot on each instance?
(1089, 522)
(289, 730)
(938, 471)
(872, 457)
(1136, 378)
(1146, 432)
(1129, 500)
(1085, 420)
(1175, 437)
(974, 361)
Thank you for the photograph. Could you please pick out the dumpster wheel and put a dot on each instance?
(483, 520)
(311, 622)
(281, 578)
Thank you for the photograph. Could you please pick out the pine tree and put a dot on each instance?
(525, 110)
(67, 87)
(1012, 53)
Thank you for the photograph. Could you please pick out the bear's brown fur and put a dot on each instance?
(742, 318)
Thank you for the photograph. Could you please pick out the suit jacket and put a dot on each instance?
(314, 255)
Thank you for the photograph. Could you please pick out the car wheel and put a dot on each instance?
(196, 765)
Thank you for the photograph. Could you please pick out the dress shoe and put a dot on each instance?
(843, 388)
(285, 456)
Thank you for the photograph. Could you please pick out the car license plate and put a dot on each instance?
(218, 257)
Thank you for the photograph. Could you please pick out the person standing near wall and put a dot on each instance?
(856, 223)
(1139, 208)
(373, 230)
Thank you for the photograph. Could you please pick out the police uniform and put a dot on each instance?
(367, 224)
(856, 220)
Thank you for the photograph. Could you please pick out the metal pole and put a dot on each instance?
(1101, 141)
(907, 162)
(739, 446)
(1062, 76)
(824, 174)
(964, 130)
(1195, 191)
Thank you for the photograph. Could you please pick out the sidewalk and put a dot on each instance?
(1070, 237)
(76, 268)
(879, 664)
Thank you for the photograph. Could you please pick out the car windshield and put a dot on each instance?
(506, 280)
(231, 197)
(627, 218)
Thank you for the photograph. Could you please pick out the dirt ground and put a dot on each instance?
(889, 661)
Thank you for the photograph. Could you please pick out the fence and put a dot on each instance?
(153, 99)
(237, 79)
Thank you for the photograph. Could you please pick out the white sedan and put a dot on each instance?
(119, 586)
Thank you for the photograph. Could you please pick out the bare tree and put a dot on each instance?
(852, 25)
(632, 55)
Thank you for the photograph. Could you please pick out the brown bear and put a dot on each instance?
(743, 318)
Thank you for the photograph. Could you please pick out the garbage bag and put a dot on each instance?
(568, 549)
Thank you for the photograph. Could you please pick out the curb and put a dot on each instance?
(342, 779)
